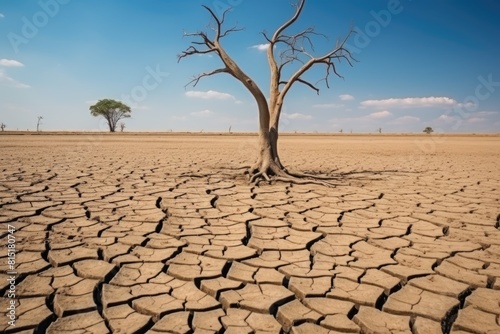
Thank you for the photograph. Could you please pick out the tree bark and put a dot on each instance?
(274, 134)
(111, 126)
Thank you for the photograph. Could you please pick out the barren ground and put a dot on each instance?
(157, 233)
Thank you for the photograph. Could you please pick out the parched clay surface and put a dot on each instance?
(130, 233)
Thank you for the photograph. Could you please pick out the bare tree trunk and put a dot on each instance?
(111, 123)
(264, 154)
(274, 134)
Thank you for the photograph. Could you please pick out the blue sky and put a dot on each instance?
(421, 63)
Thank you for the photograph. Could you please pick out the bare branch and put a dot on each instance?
(203, 39)
(230, 30)
(224, 15)
(289, 22)
(297, 41)
(284, 63)
(275, 71)
(339, 53)
(219, 33)
(191, 50)
(230, 66)
(340, 48)
(217, 21)
(203, 36)
(296, 46)
(266, 37)
(207, 74)
(305, 82)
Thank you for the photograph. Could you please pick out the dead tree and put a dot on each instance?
(283, 51)
(3, 126)
(122, 126)
(38, 123)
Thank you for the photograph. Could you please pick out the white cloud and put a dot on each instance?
(484, 113)
(468, 105)
(210, 94)
(346, 97)
(446, 118)
(327, 105)
(10, 63)
(1, 16)
(8, 80)
(380, 114)
(476, 117)
(4, 78)
(476, 120)
(411, 102)
(407, 119)
(202, 113)
(260, 47)
(296, 116)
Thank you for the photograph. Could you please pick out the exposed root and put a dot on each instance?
(255, 177)
(297, 180)
(272, 172)
(255, 168)
(317, 177)
(244, 167)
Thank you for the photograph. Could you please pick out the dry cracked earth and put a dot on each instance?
(163, 234)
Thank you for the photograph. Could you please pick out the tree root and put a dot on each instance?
(255, 177)
(298, 180)
(317, 177)
(272, 172)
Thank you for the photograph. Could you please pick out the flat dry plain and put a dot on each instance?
(161, 233)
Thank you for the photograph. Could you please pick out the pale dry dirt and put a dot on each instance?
(154, 233)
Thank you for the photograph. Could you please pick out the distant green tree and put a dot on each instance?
(111, 110)
(428, 130)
